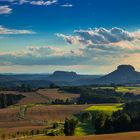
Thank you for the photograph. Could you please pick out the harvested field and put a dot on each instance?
(54, 112)
(9, 114)
(119, 136)
(42, 96)
(10, 122)
(30, 97)
(53, 94)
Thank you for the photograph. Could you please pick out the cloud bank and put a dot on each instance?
(98, 47)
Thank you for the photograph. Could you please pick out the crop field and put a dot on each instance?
(105, 108)
(35, 117)
(54, 113)
(53, 94)
(42, 96)
(30, 113)
(135, 90)
(10, 122)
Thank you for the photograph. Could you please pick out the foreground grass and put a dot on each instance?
(84, 129)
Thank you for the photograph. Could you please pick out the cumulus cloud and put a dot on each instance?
(69, 38)
(102, 46)
(6, 31)
(5, 9)
(113, 39)
(104, 36)
(73, 39)
(115, 46)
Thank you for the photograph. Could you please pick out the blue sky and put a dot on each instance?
(86, 36)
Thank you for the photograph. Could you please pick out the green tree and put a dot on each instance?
(86, 116)
(69, 126)
(100, 123)
(122, 123)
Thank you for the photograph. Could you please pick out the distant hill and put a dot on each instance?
(63, 76)
(70, 78)
(124, 74)
(5, 78)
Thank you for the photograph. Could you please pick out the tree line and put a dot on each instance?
(9, 99)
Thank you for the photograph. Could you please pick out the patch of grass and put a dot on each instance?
(84, 129)
(122, 89)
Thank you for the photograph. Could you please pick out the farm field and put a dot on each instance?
(54, 113)
(35, 117)
(105, 107)
(42, 96)
(135, 90)
(36, 114)
(53, 94)
(132, 89)
(31, 113)
(118, 136)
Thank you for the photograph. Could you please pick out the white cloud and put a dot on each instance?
(45, 55)
(42, 2)
(33, 2)
(94, 51)
(69, 38)
(114, 38)
(67, 5)
(5, 31)
(5, 9)
(105, 36)
(23, 1)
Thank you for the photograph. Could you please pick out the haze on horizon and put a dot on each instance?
(85, 36)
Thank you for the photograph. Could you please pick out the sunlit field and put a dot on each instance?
(105, 108)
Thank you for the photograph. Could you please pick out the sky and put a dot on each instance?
(85, 36)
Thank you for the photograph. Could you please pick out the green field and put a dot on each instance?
(105, 108)
(133, 89)
(84, 129)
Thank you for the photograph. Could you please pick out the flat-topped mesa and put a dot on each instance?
(63, 76)
(64, 73)
(125, 68)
